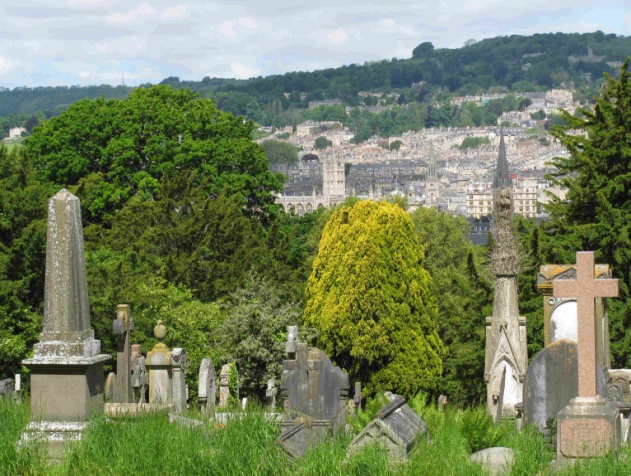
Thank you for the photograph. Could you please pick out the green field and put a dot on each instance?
(152, 445)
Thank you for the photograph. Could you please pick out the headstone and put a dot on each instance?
(178, 380)
(270, 394)
(139, 377)
(315, 393)
(442, 401)
(357, 396)
(207, 387)
(67, 366)
(158, 365)
(552, 381)
(244, 403)
(495, 461)
(224, 389)
(622, 377)
(122, 327)
(7, 388)
(396, 427)
(587, 426)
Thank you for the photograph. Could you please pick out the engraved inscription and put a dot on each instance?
(585, 438)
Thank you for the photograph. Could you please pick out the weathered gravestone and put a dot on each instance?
(178, 380)
(587, 426)
(552, 381)
(315, 393)
(207, 387)
(159, 367)
(67, 366)
(118, 385)
(7, 387)
(396, 427)
(139, 377)
(270, 393)
(224, 385)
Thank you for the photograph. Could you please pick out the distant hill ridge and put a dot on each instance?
(517, 63)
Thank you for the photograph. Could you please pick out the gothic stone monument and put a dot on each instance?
(587, 426)
(506, 356)
(207, 387)
(67, 366)
(315, 393)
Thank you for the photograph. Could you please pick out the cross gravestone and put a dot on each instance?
(67, 366)
(587, 426)
(207, 387)
(315, 393)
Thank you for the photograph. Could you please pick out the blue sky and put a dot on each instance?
(80, 42)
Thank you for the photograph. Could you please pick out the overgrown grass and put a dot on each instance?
(151, 445)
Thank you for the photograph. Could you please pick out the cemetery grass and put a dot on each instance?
(152, 445)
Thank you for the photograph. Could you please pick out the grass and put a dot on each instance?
(153, 446)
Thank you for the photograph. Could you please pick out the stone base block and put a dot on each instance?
(588, 427)
(134, 410)
(55, 435)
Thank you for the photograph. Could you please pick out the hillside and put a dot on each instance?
(517, 63)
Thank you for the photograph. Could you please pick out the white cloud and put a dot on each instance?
(227, 29)
(174, 12)
(142, 10)
(84, 74)
(337, 37)
(248, 23)
(243, 72)
(5, 65)
(387, 22)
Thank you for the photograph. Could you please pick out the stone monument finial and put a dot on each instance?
(160, 331)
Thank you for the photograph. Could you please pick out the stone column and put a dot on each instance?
(67, 366)
(158, 364)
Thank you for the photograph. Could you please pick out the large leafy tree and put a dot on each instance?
(596, 212)
(114, 150)
(461, 281)
(370, 298)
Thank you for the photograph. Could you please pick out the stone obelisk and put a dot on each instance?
(506, 357)
(67, 366)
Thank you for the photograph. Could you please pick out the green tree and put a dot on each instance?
(280, 152)
(460, 277)
(596, 212)
(370, 299)
(254, 333)
(112, 150)
(322, 143)
(396, 145)
(473, 142)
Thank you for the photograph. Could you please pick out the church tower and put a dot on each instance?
(506, 357)
(432, 190)
(333, 181)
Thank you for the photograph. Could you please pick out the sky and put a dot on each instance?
(82, 42)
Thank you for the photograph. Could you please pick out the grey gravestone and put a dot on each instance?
(67, 366)
(158, 365)
(552, 381)
(122, 327)
(207, 387)
(139, 377)
(224, 389)
(270, 393)
(178, 380)
(396, 427)
(357, 396)
(7, 387)
(315, 393)
(497, 460)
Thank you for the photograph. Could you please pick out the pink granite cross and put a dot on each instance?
(585, 289)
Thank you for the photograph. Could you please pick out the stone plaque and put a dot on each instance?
(563, 322)
(576, 432)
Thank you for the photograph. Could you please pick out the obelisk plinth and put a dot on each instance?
(67, 366)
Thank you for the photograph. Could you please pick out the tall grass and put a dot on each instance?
(153, 446)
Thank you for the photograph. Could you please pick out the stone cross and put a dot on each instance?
(585, 289)
(122, 327)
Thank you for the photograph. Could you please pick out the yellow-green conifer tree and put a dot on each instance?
(369, 297)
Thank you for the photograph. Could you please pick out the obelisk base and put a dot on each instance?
(587, 427)
(65, 393)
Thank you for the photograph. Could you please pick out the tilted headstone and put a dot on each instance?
(587, 426)
(158, 365)
(224, 389)
(122, 327)
(315, 394)
(552, 381)
(178, 380)
(207, 392)
(396, 427)
(139, 377)
(270, 393)
(67, 366)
